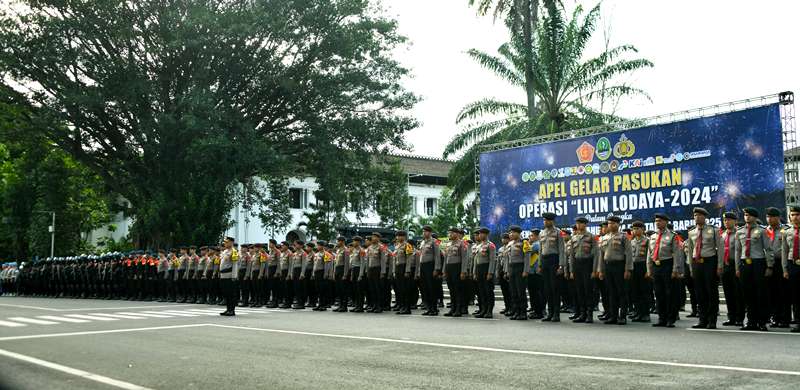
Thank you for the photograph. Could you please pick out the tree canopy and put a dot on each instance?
(177, 104)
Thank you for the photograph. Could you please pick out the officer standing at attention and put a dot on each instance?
(376, 262)
(754, 262)
(582, 256)
(702, 248)
(228, 275)
(430, 265)
(665, 266)
(455, 271)
(614, 266)
(777, 290)
(551, 264)
(640, 286)
(726, 269)
(403, 265)
(518, 267)
(341, 265)
(354, 279)
(484, 259)
(502, 265)
(790, 261)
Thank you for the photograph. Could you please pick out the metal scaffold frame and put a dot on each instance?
(789, 130)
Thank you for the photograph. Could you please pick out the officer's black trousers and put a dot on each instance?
(517, 284)
(454, 285)
(230, 289)
(794, 289)
(429, 285)
(779, 295)
(641, 290)
(667, 292)
(583, 286)
(618, 297)
(706, 289)
(485, 288)
(732, 288)
(754, 287)
(375, 287)
(550, 274)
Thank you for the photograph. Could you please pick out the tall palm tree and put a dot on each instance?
(521, 16)
(567, 87)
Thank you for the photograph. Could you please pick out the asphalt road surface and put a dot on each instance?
(97, 344)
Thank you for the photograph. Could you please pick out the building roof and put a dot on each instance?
(422, 165)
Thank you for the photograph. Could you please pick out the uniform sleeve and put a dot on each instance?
(562, 253)
(383, 256)
(595, 252)
(720, 251)
(768, 251)
(464, 251)
(689, 245)
(303, 263)
(601, 264)
(346, 263)
(437, 256)
(784, 253)
(492, 259)
(677, 255)
(649, 258)
(737, 252)
(628, 255)
(235, 274)
(410, 258)
(571, 257)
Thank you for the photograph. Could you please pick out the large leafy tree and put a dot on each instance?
(37, 177)
(568, 83)
(177, 103)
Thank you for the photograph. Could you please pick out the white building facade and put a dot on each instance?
(427, 177)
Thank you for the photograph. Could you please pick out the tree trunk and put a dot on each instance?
(529, 10)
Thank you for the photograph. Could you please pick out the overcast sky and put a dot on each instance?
(705, 52)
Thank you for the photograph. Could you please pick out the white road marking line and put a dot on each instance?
(32, 321)
(95, 308)
(87, 317)
(174, 313)
(196, 313)
(206, 312)
(90, 332)
(145, 314)
(63, 319)
(753, 332)
(72, 371)
(125, 316)
(29, 307)
(521, 352)
(11, 324)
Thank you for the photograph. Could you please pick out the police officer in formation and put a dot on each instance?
(758, 267)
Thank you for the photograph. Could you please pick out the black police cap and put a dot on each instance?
(549, 216)
(581, 220)
(730, 215)
(662, 216)
(773, 212)
(700, 210)
(515, 228)
(614, 219)
(751, 211)
(637, 224)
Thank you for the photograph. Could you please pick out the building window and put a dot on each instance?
(298, 198)
(430, 206)
(414, 205)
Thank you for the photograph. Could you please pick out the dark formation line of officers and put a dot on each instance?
(633, 273)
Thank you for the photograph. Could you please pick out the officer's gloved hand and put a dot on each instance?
(768, 272)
